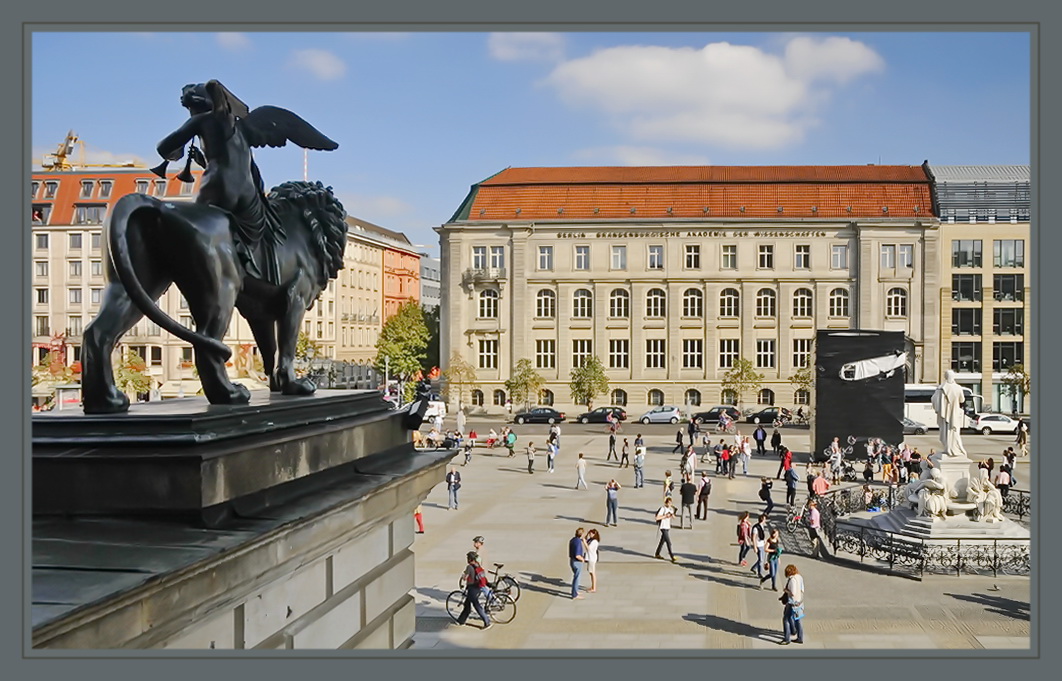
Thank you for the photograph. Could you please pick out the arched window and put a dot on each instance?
(619, 397)
(765, 396)
(619, 304)
(765, 299)
(582, 304)
(499, 398)
(546, 304)
(655, 303)
(802, 302)
(692, 303)
(839, 303)
(488, 304)
(656, 398)
(693, 397)
(729, 302)
(896, 303)
(802, 397)
(477, 398)
(728, 397)
(545, 398)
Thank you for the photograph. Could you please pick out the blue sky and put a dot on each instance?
(420, 117)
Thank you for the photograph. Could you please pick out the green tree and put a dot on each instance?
(742, 378)
(130, 374)
(524, 383)
(431, 320)
(458, 379)
(306, 348)
(1018, 382)
(588, 381)
(400, 349)
(804, 379)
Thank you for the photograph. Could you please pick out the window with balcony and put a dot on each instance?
(582, 258)
(896, 303)
(545, 257)
(1008, 287)
(1007, 354)
(656, 257)
(619, 257)
(655, 303)
(802, 302)
(966, 321)
(692, 353)
(619, 353)
(729, 261)
(546, 304)
(729, 302)
(693, 257)
(728, 352)
(582, 304)
(655, 353)
(693, 303)
(1008, 321)
(1008, 253)
(497, 257)
(966, 253)
(765, 353)
(619, 304)
(546, 353)
(765, 303)
(765, 257)
(802, 259)
(582, 349)
(966, 288)
(839, 302)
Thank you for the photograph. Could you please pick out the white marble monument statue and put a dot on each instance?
(948, 403)
(985, 496)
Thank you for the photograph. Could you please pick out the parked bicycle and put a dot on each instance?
(499, 606)
(796, 516)
(504, 584)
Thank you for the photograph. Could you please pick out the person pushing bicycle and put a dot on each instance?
(475, 582)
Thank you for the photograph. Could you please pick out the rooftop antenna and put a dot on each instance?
(305, 165)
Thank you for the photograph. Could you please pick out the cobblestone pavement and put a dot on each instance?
(705, 601)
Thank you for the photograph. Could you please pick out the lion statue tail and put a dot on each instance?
(121, 258)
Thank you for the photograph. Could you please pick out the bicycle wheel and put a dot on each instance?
(501, 608)
(791, 524)
(509, 586)
(455, 602)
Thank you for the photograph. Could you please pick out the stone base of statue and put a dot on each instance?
(284, 523)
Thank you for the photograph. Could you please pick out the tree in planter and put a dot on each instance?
(524, 383)
(588, 381)
(400, 350)
(1018, 382)
(53, 370)
(742, 378)
(130, 374)
(458, 379)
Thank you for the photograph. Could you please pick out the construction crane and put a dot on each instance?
(61, 159)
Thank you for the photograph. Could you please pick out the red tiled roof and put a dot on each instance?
(611, 192)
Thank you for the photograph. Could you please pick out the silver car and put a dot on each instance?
(665, 414)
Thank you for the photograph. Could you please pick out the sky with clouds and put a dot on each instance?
(420, 117)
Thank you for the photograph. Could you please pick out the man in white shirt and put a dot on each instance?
(663, 519)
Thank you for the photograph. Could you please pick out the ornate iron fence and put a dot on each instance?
(1018, 502)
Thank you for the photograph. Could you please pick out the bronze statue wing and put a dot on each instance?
(271, 126)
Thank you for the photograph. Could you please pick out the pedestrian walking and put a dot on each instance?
(765, 495)
(744, 537)
(551, 453)
(691, 430)
(785, 460)
(418, 517)
(638, 441)
(510, 443)
(1022, 438)
(678, 442)
(663, 520)
(1003, 480)
(689, 461)
(706, 442)
(612, 501)
(639, 467)
(814, 527)
(760, 436)
(475, 578)
(868, 471)
(688, 496)
(746, 455)
(625, 453)
(776, 443)
(669, 486)
(612, 447)
(554, 432)
(530, 450)
(719, 462)
(580, 468)
(577, 559)
(793, 599)
(704, 490)
(791, 482)
(453, 483)
(593, 541)
(774, 553)
(759, 545)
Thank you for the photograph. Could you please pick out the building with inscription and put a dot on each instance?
(669, 274)
(985, 294)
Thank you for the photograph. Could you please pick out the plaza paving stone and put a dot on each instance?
(705, 601)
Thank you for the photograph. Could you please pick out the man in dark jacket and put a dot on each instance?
(760, 436)
(776, 443)
(688, 494)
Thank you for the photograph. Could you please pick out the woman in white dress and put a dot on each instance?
(593, 541)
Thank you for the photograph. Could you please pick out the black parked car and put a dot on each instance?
(600, 415)
(712, 415)
(768, 415)
(539, 415)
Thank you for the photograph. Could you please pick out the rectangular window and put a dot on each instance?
(153, 329)
(42, 296)
(581, 351)
(692, 353)
(95, 295)
(86, 189)
(141, 186)
(966, 321)
(729, 257)
(765, 354)
(1006, 355)
(74, 296)
(34, 188)
(966, 253)
(655, 353)
(156, 356)
(95, 238)
(96, 268)
(75, 241)
(1008, 253)
(50, 188)
(73, 325)
(160, 187)
(966, 287)
(803, 257)
(1008, 287)
(728, 352)
(187, 188)
(75, 269)
(188, 322)
(40, 326)
(40, 268)
(89, 215)
(546, 354)
(906, 256)
(966, 357)
(1008, 321)
(105, 189)
(619, 353)
(497, 257)
(656, 257)
(186, 354)
(582, 257)
(488, 354)
(888, 256)
(765, 257)
(545, 257)
(479, 257)
(619, 257)
(41, 214)
(42, 240)
(839, 256)
(693, 257)
(801, 352)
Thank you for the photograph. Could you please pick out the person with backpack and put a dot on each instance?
(744, 537)
(475, 581)
(704, 489)
(759, 544)
(510, 443)
(765, 495)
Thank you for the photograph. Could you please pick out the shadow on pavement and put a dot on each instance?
(735, 627)
(998, 605)
(552, 586)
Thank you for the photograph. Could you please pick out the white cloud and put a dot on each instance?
(235, 42)
(526, 46)
(321, 63)
(639, 156)
(723, 94)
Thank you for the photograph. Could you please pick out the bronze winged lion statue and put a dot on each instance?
(233, 248)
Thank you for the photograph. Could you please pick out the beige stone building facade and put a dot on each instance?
(668, 274)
